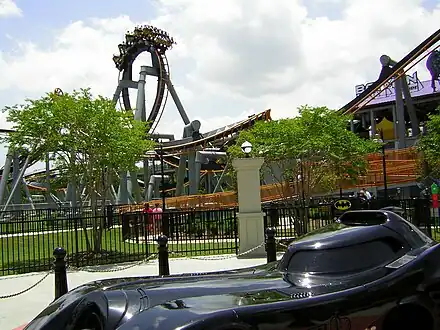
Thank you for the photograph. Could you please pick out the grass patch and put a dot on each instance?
(34, 252)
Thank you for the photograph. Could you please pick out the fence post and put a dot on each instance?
(165, 223)
(109, 216)
(164, 265)
(274, 216)
(60, 272)
(271, 245)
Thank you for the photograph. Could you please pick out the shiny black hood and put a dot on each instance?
(194, 295)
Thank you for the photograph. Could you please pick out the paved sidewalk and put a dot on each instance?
(19, 310)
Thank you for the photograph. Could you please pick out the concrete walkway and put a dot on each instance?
(21, 309)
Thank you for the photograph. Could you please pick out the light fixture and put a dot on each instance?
(378, 140)
(246, 147)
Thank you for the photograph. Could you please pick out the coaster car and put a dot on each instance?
(369, 270)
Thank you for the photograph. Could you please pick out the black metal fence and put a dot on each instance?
(28, 238)
(294, 219)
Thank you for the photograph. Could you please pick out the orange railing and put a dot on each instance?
(402, 167)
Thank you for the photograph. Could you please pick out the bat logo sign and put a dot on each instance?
(342, 205)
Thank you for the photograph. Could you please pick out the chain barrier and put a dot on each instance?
(138, 263)
(222, 257)
(278, 242)
(112, 270)
(27, 289)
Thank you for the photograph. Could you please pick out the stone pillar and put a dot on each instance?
(250, 216)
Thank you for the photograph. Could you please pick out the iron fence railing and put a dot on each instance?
(297, 218)
(28, 237)
(108, 235)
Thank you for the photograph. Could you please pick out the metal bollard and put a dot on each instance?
(164, 265)
(60, 272)
(271, 245)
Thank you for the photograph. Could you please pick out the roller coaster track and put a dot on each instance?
(399, 170)
(398, 70)
(161, 64)
(182, 146)
(402, 165)
(172, 159)
(164, 73)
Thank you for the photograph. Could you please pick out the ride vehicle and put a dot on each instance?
(368, 270)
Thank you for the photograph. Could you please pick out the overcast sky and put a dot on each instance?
(232, 58)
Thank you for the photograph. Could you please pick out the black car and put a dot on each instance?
(369, 270)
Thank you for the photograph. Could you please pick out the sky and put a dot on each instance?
(232, 58)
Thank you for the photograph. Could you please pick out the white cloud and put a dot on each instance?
(232, 56)
(9, 8)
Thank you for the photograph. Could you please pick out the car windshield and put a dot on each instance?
(347, 259)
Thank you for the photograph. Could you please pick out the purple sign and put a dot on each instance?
(388, 94)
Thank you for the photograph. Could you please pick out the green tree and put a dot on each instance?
(428, 146)
(317, 144)
(88, 139)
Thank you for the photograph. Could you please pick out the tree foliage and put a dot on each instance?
(88, 138)
(85, 135)
(429, 145)
(317, 140)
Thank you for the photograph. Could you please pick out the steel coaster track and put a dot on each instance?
(187, 144)
(160, 90)
(127, 74)
(164, 73)
(388, 79)
(376, 92)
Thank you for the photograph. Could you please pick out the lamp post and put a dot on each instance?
(301, 177)
(162, 174)
(246, 147)
(384, 163)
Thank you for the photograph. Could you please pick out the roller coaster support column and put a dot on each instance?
(400, 115)
(140, 113)
(123, 191)
(218, 184)
(177, 101)
(16, 180)
(192, 170)
(401, 87)
(17, 183)
(250, 217)
(28, 193)
(203, 157)
(415, 125)
(189, 131)
(153, 185)
(5, 177)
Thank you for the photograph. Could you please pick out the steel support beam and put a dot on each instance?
(5, 177)
(17, 183)
(400, 114)
(177, 101)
